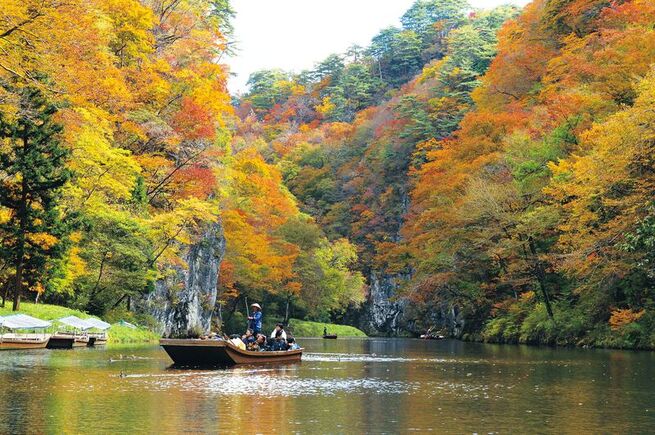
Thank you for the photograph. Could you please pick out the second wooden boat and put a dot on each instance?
(195, 352)
(330, 336)
(97, 339)
(65, 340)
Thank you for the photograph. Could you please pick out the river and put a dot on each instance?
(341, 386)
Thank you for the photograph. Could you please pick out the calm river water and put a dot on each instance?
(342, 386)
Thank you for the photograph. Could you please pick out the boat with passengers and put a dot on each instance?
(221, 352)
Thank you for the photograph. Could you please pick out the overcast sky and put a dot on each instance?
(295, 34)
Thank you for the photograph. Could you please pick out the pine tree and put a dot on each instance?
(32, 172)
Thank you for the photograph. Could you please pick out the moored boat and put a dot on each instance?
(60, 340)
(330, 336)
(196, 352)
(12, 341)
(77, 328)
(18, 341)
(97, 338)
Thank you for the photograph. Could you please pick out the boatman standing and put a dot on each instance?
(255, 320)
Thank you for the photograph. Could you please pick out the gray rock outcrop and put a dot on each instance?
(384, 311)
(183, 302)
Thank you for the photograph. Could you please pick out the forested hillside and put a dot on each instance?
(486, 172)
(496, 179)
(117, 150)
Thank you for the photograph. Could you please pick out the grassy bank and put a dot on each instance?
(117, 333)
(304, 328)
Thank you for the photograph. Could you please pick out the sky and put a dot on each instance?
(296, 34)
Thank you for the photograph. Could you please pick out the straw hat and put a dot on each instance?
(256, 306)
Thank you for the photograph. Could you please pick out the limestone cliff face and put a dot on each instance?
(184, 301)
(384, 312)
(387, 313)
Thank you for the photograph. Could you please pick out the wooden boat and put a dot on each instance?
(432, 337)
(67, 340)
(11, 341)
(330, 336)
(97, 339)
(61, 340)
(196, 352)
(81, 341)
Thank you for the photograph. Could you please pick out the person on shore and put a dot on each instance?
(279, 328)
(255, 319)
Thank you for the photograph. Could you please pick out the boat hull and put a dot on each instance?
(23, 342)
(194, 352)
(61, 341)
(97, 340)
(330, 337)
(81, 342)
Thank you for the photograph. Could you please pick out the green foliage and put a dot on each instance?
(32, 165)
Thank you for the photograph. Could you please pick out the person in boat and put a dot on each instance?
(280, 342)
(248, 337)
(260, 344)
(324, 331)
(292, 344)
(279, 328)
(255, 319)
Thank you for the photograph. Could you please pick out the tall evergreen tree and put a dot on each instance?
(32, 172)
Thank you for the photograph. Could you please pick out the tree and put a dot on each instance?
(32, 165)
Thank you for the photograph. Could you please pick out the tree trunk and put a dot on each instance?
(5, 294)
(20, 258)
(18, 284)
(286, 312)
(541, 278)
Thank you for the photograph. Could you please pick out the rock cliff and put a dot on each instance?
(183, 302)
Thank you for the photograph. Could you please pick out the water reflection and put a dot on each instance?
(346, 386)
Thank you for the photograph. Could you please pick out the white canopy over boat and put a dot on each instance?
(97, 323)
(75, 322)
(23, 321)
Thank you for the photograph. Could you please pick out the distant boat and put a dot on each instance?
(18, 341)
(330, 336)
(196, 352)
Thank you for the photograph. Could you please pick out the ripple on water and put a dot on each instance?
(266, 383)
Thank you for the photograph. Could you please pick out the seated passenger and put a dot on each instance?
(279, 327)
(248, 337)
(292, 344)
(279, 343)
(261, 343)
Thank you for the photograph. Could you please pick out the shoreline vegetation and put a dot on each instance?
(118, 334)
(124, 335)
